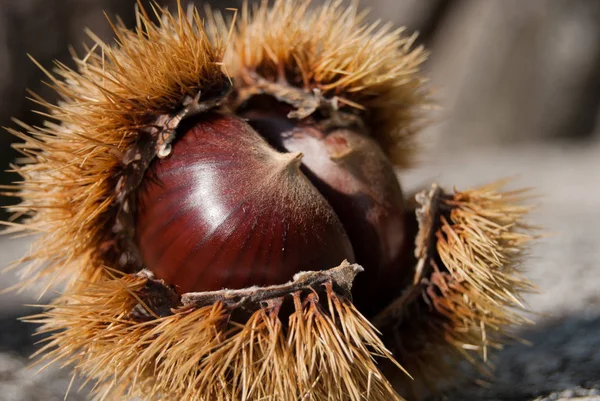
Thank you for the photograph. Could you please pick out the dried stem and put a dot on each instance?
(324, 349)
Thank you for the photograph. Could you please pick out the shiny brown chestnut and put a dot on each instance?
(352, 172)
(252, 203)
(226, 210)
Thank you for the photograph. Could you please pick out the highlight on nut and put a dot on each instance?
(218, 199)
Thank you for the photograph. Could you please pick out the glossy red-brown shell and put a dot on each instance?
(355, 176)
(226, 210)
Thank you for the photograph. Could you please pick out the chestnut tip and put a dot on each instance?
(291, 160)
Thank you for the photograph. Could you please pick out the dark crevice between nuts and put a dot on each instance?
(426, 259)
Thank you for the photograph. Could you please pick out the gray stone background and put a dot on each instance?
(518, 83)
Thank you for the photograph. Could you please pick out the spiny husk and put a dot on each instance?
(468, 287)
(324, 350)
(74, 162)
(371, 69)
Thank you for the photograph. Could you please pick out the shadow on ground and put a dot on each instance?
(563, 361)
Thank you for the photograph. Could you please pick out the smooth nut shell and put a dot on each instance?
(357, 179)
(225, 210)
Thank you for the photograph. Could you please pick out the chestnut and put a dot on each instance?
(226, 210)
(350, 169)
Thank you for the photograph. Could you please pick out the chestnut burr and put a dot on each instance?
(220, 202)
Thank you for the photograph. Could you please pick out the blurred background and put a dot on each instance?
(518, 84)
